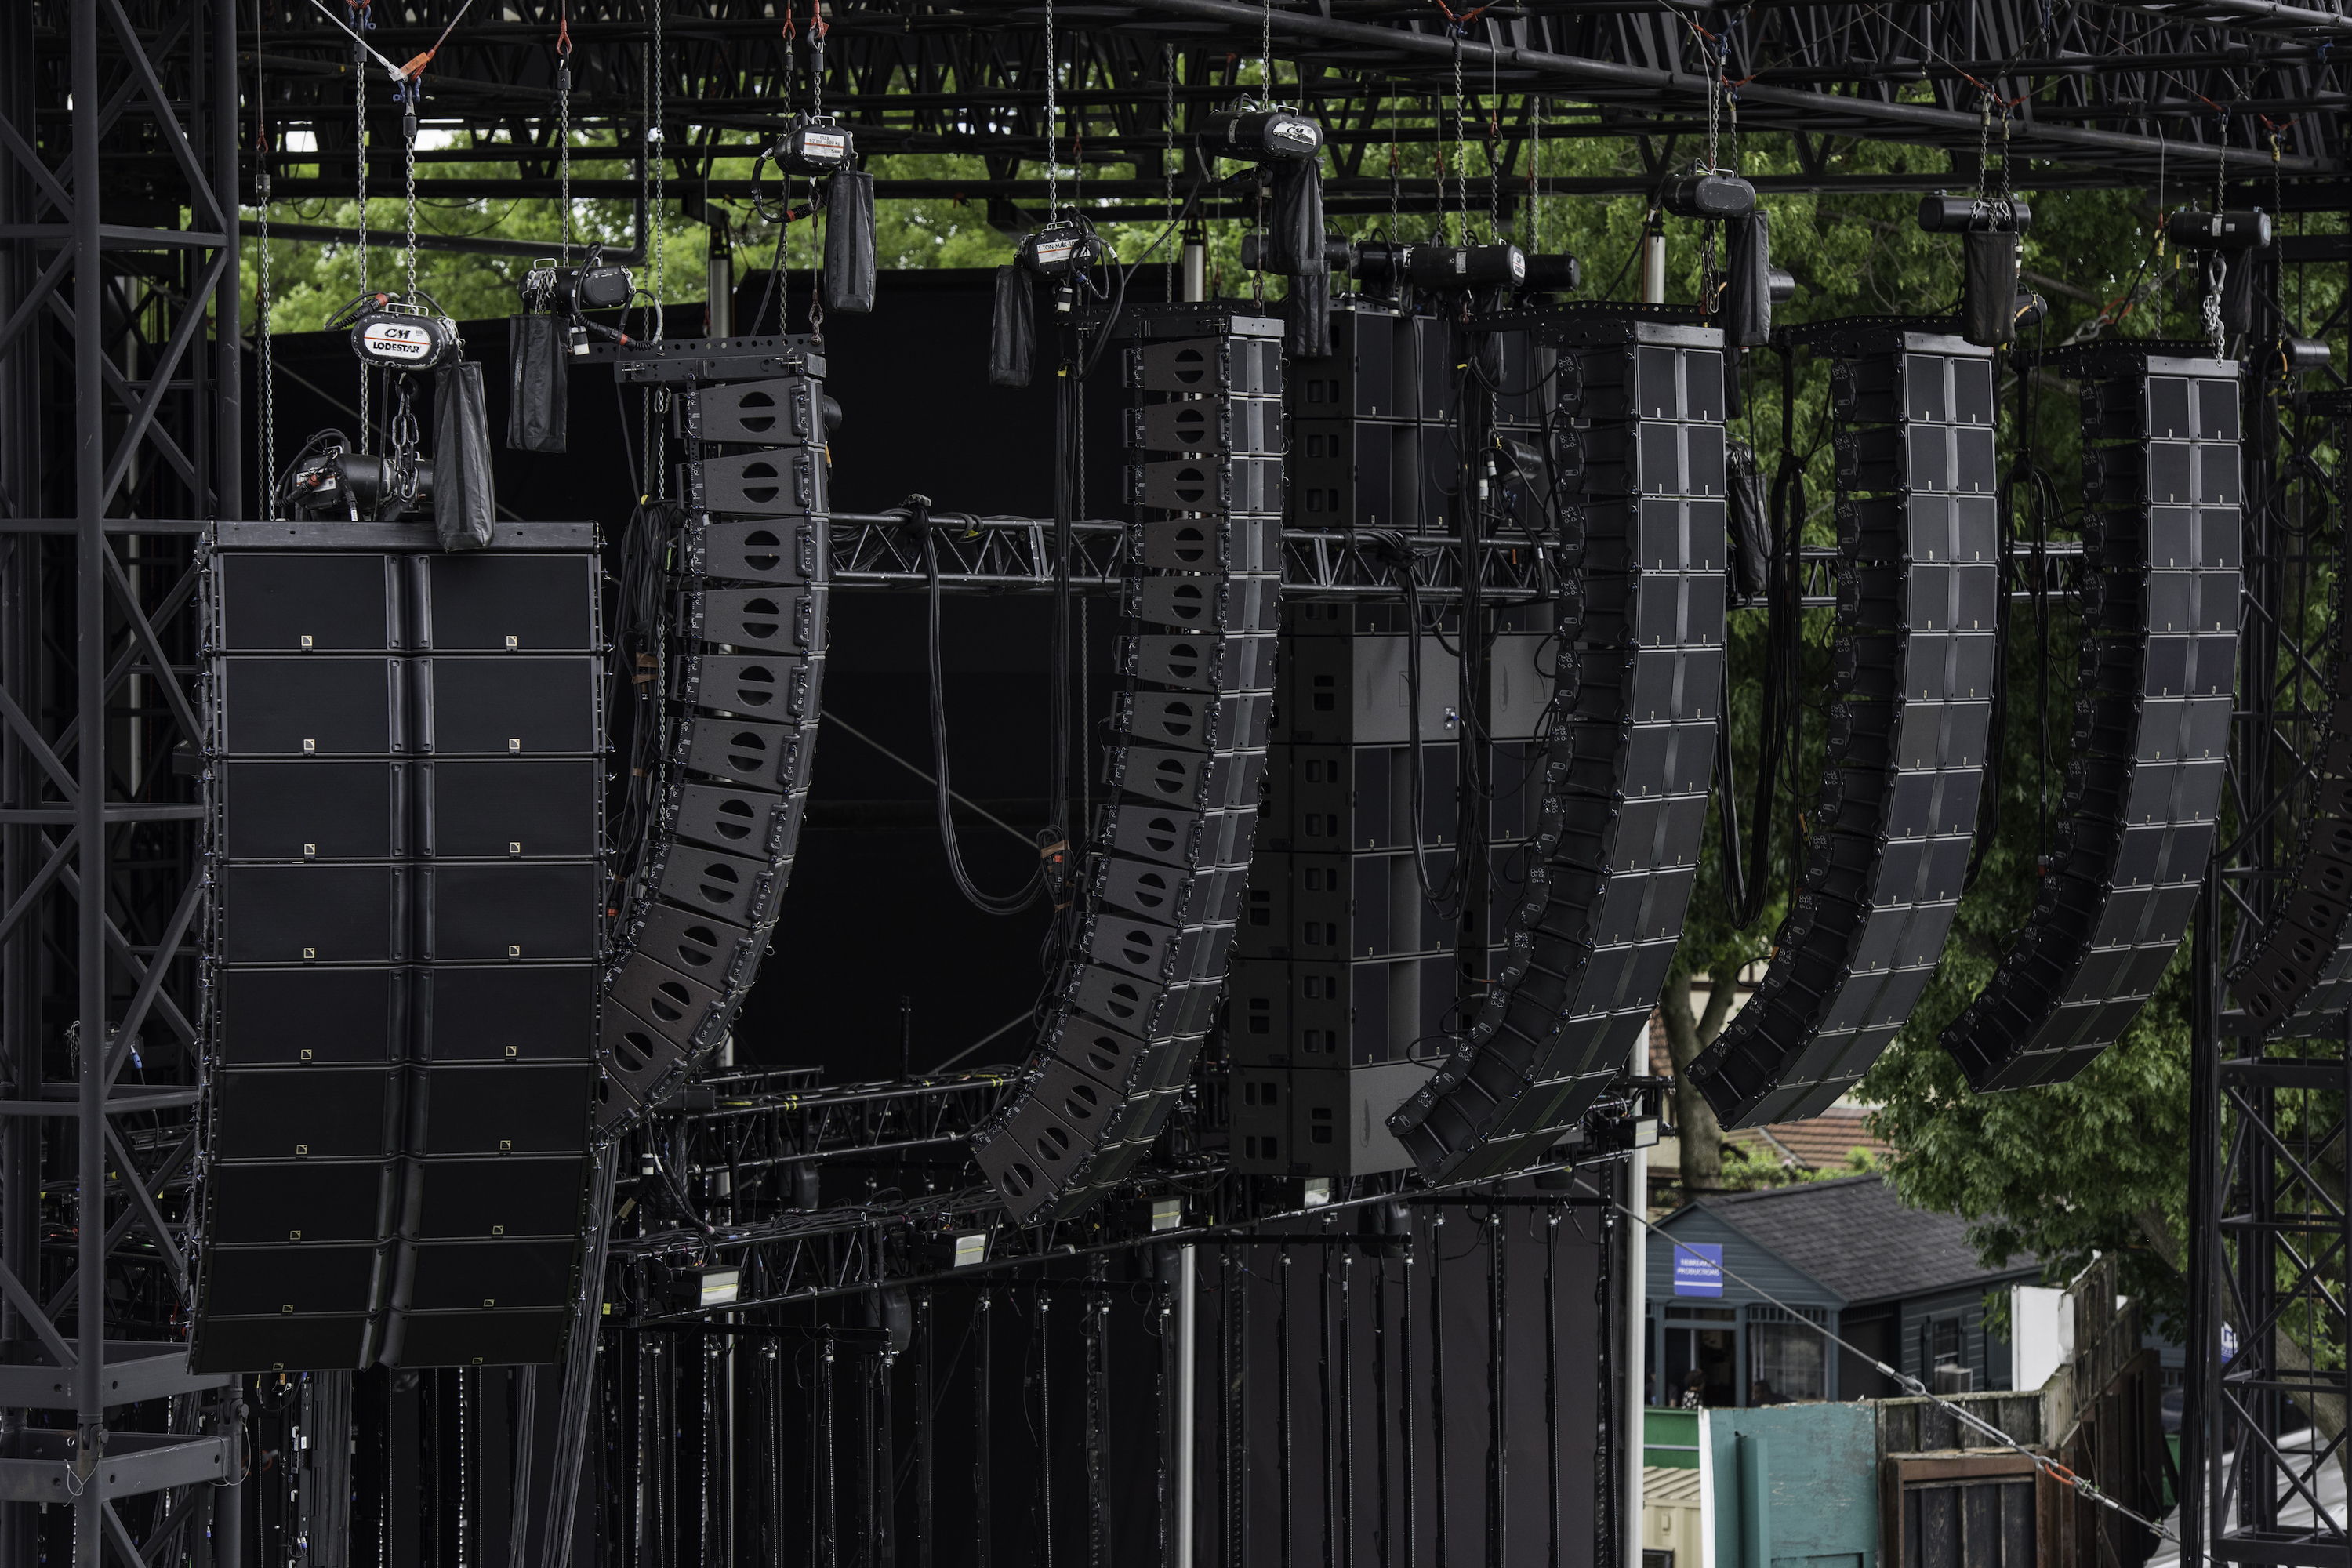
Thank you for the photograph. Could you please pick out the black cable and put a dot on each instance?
(988, 904)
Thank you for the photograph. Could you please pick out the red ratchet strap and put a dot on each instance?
(1465, 19)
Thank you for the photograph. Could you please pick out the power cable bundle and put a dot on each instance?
(1637, 478)
(1161, 883)
(2158, 663)
(743, 672)
(1918, 581)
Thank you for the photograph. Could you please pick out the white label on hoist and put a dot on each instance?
(1054, 252)
(396, 340)
(824, 144)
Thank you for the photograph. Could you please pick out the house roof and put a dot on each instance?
(1856, 1236)
(1818, 1143)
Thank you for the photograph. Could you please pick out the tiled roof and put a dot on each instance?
(1853, 1235)
(1819, 1143)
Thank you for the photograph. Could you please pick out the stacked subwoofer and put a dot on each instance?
(1636, 457)
(405, 785)
(1160, 882)
(1918, 581)
(744, 684)
(2157, 670)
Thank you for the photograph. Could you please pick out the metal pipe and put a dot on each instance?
(1654, 262)
(1196, 267)
(1637, 1328)
(1187, 1375)
(719, 282)
(89, 792)
(228, 329)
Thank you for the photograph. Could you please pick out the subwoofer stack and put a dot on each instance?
(405, 784)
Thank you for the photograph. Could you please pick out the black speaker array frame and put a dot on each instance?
(1918, 582)
(1635, 444)
(743, 672)
(2162, 539)
(1161, 883)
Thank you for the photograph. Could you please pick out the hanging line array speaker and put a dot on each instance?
(745, 677)
(1635, 442)
(1917, 583)
(404, 791)
(2156, 675)
(2296, 978)
(1160, 882)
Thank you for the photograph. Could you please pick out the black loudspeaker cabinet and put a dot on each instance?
(404, 792)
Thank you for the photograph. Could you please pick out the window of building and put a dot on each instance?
(1787, 1364)
(1704, 1342)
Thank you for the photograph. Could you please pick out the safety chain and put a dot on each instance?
(262, 299)
(657, 168)
(1460, 158)
(1168, 154)
(408, 130)
(1265, 45)
(564, 123)
(1535, 173)
(360, 145)
(1053, 71)
(2217, 269)
(817, 30)
(1494, 145)
(402, 456)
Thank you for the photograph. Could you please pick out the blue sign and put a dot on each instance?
(2229, 1344)
(1698, 1268)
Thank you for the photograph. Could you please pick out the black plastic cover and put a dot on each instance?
(1011, 330)
(538, 384)
(465, 502)
(849, 243)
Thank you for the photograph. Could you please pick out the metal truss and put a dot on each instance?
(1016, 554)
(734, 1185)
(118, 420)
(2271, 1231)
(2089, 94)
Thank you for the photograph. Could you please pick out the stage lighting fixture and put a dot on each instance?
(746, 684)
(1890, 831)
(1160, 885)
(2156, 669)
(1637, 442)
(405, 796)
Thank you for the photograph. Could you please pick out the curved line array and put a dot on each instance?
(745, 687)
(1639, 461)
(1918, 577)
(2161, 537)
(1161, 884)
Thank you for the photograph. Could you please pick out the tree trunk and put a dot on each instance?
(1690, 1031)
